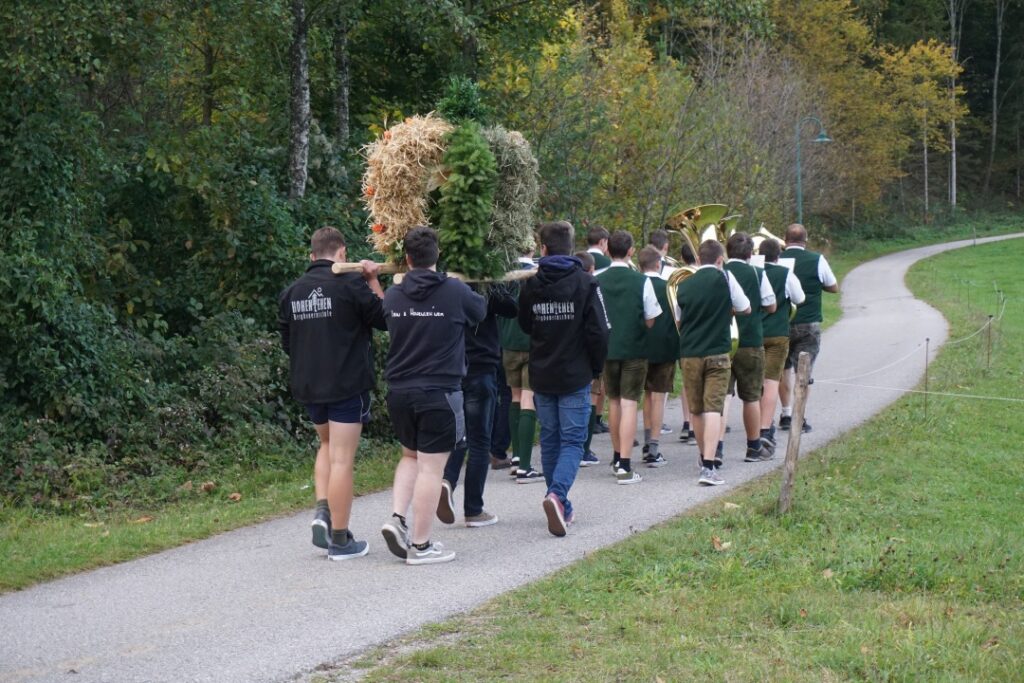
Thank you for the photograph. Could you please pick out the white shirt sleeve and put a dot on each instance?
(825, 273)
(767, 293)
(652, 309)
(740, 302)
(794, 290)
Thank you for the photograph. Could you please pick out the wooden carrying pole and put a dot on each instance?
(392, 269)
(796, 429)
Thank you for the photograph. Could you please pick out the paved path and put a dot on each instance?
(258, 604)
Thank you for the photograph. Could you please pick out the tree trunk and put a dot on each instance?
(955, 10)
(298, 143)
(470, 42)
(343, 74)
(209, 61)
(926, 167)
(1000, 14)
(1019, 160)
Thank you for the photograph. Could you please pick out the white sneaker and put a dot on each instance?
(710, 477)
(434, 553)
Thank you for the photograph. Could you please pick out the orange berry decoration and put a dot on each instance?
(369, 192)
(378, 227)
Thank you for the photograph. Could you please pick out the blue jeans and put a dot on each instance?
(563, 429)
(480, 397)
(501, 436)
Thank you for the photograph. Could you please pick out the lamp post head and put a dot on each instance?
(822, 137)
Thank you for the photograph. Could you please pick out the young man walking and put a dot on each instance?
(326, 323)
(787, 290)
(597, 246)
(706, 302)
(632, 308)
(427, 315)
(480, 400)
(662, 356)
(522, 417)
(747, 375)
(815, 277)
(561, 309)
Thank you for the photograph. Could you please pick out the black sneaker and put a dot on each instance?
(321, 527)
(757, 455)
(396, 534)
(600, 427)
(784, 423)
(655, 460)
(349, 551)
(646, 449)
(446, 505)
(635, 443)
(685, 436)
(807, 427)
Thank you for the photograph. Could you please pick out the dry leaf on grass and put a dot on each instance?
(990, 643)
(803, 613)
(187, 486)
(827, 574)
(207, 486)
(93, 525)
(719, 545)
(732, 506)
(235, 497)
(142, 520)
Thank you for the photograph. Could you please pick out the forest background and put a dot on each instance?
(165, 161)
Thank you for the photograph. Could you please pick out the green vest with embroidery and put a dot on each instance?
(777, 324)
(663, 338)
(706, 314)
(749, 279)
(806, 271)
(623, 292)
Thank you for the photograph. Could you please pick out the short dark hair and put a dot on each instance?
(649, 258)
(770, 249)
(739, 245)
(619, 244)
(421, 246)
(326, 242)
(557, 237)
(595, 235)
(796, 234)
(587, 258)
(686, 253)
(659, 239)
(710, 251)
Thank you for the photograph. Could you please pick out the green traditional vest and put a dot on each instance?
(510, 335)
(663, 338)
(777, 324)
(600, 261)
(807, 272)
(707, 314)
(749, 278)
(623, 292)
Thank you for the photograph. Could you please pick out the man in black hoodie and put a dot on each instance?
(480, 399)
(427, 315)
(562, 310)
(326, 324)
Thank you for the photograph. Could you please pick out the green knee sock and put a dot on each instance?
(527, 429)
(590, 429)
(513, 426)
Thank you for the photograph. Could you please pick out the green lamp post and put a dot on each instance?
(822, 137)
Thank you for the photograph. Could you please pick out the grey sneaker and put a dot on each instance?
(485, 518)
(350, 550)
(446, 505)
(757, 455)
(434, 553)
(710, 477)
(665, 429)
(396, 535)
(768, 446)
(321, 527)
(624, 478)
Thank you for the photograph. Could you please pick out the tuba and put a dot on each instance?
(696, 225)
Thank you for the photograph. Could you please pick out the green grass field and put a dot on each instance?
(38, 545)
(903, 559)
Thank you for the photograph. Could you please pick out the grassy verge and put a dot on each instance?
(37, 545)
(902, 558)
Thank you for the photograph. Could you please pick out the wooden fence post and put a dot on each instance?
(796, 429)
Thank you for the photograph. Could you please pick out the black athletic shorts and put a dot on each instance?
(427, 420)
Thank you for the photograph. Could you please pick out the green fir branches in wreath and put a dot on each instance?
(464, 210)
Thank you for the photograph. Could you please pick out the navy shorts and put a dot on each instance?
(349, 411)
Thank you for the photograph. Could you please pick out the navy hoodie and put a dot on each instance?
(427, 315)
(562, 310)
(483, 346)
(326, 324)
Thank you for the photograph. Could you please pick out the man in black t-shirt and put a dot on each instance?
(326, 324)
